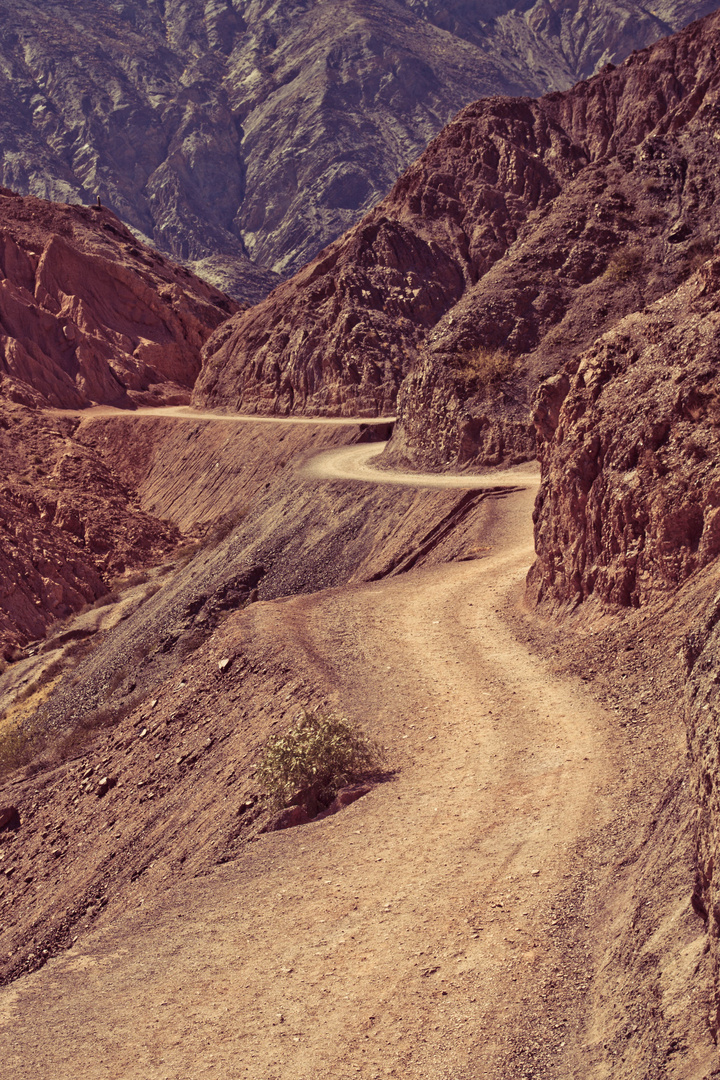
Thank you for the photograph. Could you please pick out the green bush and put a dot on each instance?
(318, 749)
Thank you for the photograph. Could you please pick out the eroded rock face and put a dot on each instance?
(89, 316)
(69, 524)
(702, 710)
(258, 132)
(629, 505)
(526, 229)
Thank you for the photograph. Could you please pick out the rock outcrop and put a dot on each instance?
(87, 316)
(90, 316)
(258, 132)
(526, 229)
(69, 524)
(702, 713)
(629, 505)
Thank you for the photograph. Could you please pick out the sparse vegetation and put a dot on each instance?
(105, 600)
(625, 264)
(483, 365)
(47, 674)
(36, 749)
(318, 749)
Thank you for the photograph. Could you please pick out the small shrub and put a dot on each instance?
(222, 526)
(186, 552)
(625, 264)
(105, 600)
(129, 581)
(16, 748)
(46, 675)
(318, 749)
(484, 365)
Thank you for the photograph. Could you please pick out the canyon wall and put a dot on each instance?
(90, 316)
(628, 437)
(525, 230)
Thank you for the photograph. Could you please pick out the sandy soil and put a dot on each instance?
(436, 929)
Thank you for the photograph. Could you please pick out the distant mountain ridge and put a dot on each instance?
(242, 137)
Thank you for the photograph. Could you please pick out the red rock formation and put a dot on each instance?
(629, 438)
(527, 228)
(69, 523)
(89, 315)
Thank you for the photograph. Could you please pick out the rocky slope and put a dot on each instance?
(87, 315)
(628, 436)
(247, 135)
(70, 524)
(627, 518)
(90, 316)
(148, 783)
(526, 229)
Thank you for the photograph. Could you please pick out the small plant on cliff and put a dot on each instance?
(317, 749)
(625, 264)
(483, 365)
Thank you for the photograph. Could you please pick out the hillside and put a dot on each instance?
(512, 896)
(243, 137)
(525, 230)
(525, 887)
(88, 316)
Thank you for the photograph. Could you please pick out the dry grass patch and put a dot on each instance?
(483, 366)
(625, 264)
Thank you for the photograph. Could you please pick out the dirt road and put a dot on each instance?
(435, 929)
(187, 412)
(356, 463)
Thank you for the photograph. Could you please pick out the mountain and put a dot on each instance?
(242, 137)
(527, 228)
(90, 316)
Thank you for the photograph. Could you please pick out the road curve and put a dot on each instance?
(356, 463)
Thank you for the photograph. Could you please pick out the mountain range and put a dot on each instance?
(244, 136)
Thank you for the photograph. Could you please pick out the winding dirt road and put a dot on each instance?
(432, 931)
(355, 463)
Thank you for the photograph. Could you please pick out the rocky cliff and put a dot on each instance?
(87, 316)
(90, 316)
(526, 229)
(629, 506)
(247, 135)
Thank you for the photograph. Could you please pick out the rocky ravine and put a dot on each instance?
(246, 135)
(526, 229)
